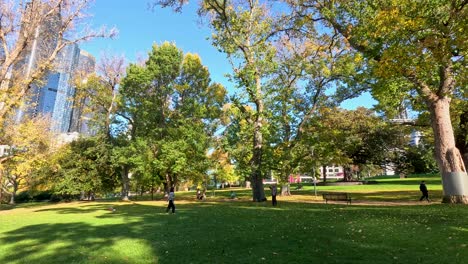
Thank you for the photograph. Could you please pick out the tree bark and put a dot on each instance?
(348, 175)
(324, 171)
(125, 183)
(449, 159)
(286, 189)
(13, 193)
(256, 163)
(169, 183)
(12, 198)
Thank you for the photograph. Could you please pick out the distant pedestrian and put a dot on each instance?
(274, 191)
(233, 195)
(171, 198)
(199, 194)
(204, 194)
(423, 189)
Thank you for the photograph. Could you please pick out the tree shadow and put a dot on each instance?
(79, 209)
(378, 196)
(240, 232)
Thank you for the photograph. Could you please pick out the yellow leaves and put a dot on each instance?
(32, 133)
(386, 19)
(358, 58)
(326, 71)
(392, 21)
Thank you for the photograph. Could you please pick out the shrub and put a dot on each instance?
(42, 196)
(54, 198)
(23, 197)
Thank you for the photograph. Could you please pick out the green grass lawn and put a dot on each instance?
(302, 229)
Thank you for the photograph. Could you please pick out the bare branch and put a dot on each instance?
(32, 35)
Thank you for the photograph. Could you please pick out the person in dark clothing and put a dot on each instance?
(171, 198)
(423, 189)
(274, 190)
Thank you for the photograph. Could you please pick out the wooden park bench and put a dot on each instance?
(337, 197)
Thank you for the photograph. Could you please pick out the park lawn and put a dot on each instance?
(224, 231)
(386, 189)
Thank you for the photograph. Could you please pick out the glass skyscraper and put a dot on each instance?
(55, 94)
(86, 65)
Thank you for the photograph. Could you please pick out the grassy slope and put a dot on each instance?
(238, 231)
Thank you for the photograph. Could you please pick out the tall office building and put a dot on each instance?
(79, 119)
(40, 38)
(57, 97)
(55, 94)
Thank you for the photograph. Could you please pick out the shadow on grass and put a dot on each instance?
(79, 209)
(379, 196)
(4, 207)
(23, 205)
(241, 232)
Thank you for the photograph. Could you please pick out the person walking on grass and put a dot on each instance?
(170, 198)
(274, 191)
(425, 193)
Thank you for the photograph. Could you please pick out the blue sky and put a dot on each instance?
(139, 28)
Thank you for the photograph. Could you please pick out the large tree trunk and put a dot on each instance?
(12, 198)
(13, 193)
(125, 183)
(348, 175)
(449, 159)
(286, 186)
(258, 193)
(169, 183)
(286, 189)
(256, 162)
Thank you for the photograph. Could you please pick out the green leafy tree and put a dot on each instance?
(236, 140)
(244, 31)
(421, 159)
(82, 168)
(415, 49)
(355, 139)
(97, 98)
(310, 65)
(171, 104)
(223, 169)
